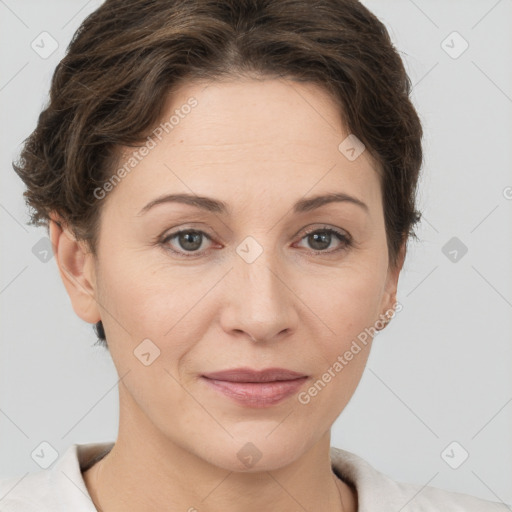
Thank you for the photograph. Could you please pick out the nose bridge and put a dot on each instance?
(259, 278)
(262, 304)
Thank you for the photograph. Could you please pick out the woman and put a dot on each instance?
(229, 189)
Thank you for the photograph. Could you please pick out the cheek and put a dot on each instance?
(347, 301)
(142, 302)
(347, 310)
(347, 307)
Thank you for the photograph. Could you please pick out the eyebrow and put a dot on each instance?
(216, 206)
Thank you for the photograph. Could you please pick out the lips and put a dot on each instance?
(255, 388)
(248, 375)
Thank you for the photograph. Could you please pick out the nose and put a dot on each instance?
(259, 303)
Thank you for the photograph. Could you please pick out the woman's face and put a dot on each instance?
(246, 286)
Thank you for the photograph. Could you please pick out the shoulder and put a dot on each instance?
(378, 493)
(61, 487)
(24, 493)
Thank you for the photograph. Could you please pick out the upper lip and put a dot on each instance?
(250, 375)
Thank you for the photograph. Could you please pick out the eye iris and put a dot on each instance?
(321, 236)
(190, 240)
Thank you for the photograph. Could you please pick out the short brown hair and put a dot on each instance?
(127, 56)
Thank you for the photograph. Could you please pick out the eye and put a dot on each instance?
(321, 239)
(189, 240)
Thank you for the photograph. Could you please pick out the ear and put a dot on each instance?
(389, 298)
(76, 268)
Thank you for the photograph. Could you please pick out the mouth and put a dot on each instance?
(255, 388)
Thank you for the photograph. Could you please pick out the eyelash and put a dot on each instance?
(346, 241)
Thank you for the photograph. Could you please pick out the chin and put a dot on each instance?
(256, 451)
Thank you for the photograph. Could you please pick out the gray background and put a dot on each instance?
(439, 373)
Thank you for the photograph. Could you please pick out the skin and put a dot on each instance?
(259, 146)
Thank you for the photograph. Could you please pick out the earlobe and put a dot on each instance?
(76, 268)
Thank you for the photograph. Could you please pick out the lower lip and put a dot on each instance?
(257, 394)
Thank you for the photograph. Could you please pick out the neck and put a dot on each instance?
(159, 474)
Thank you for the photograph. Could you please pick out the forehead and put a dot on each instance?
(248, 139)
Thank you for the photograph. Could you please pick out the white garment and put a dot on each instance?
(61, 488)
